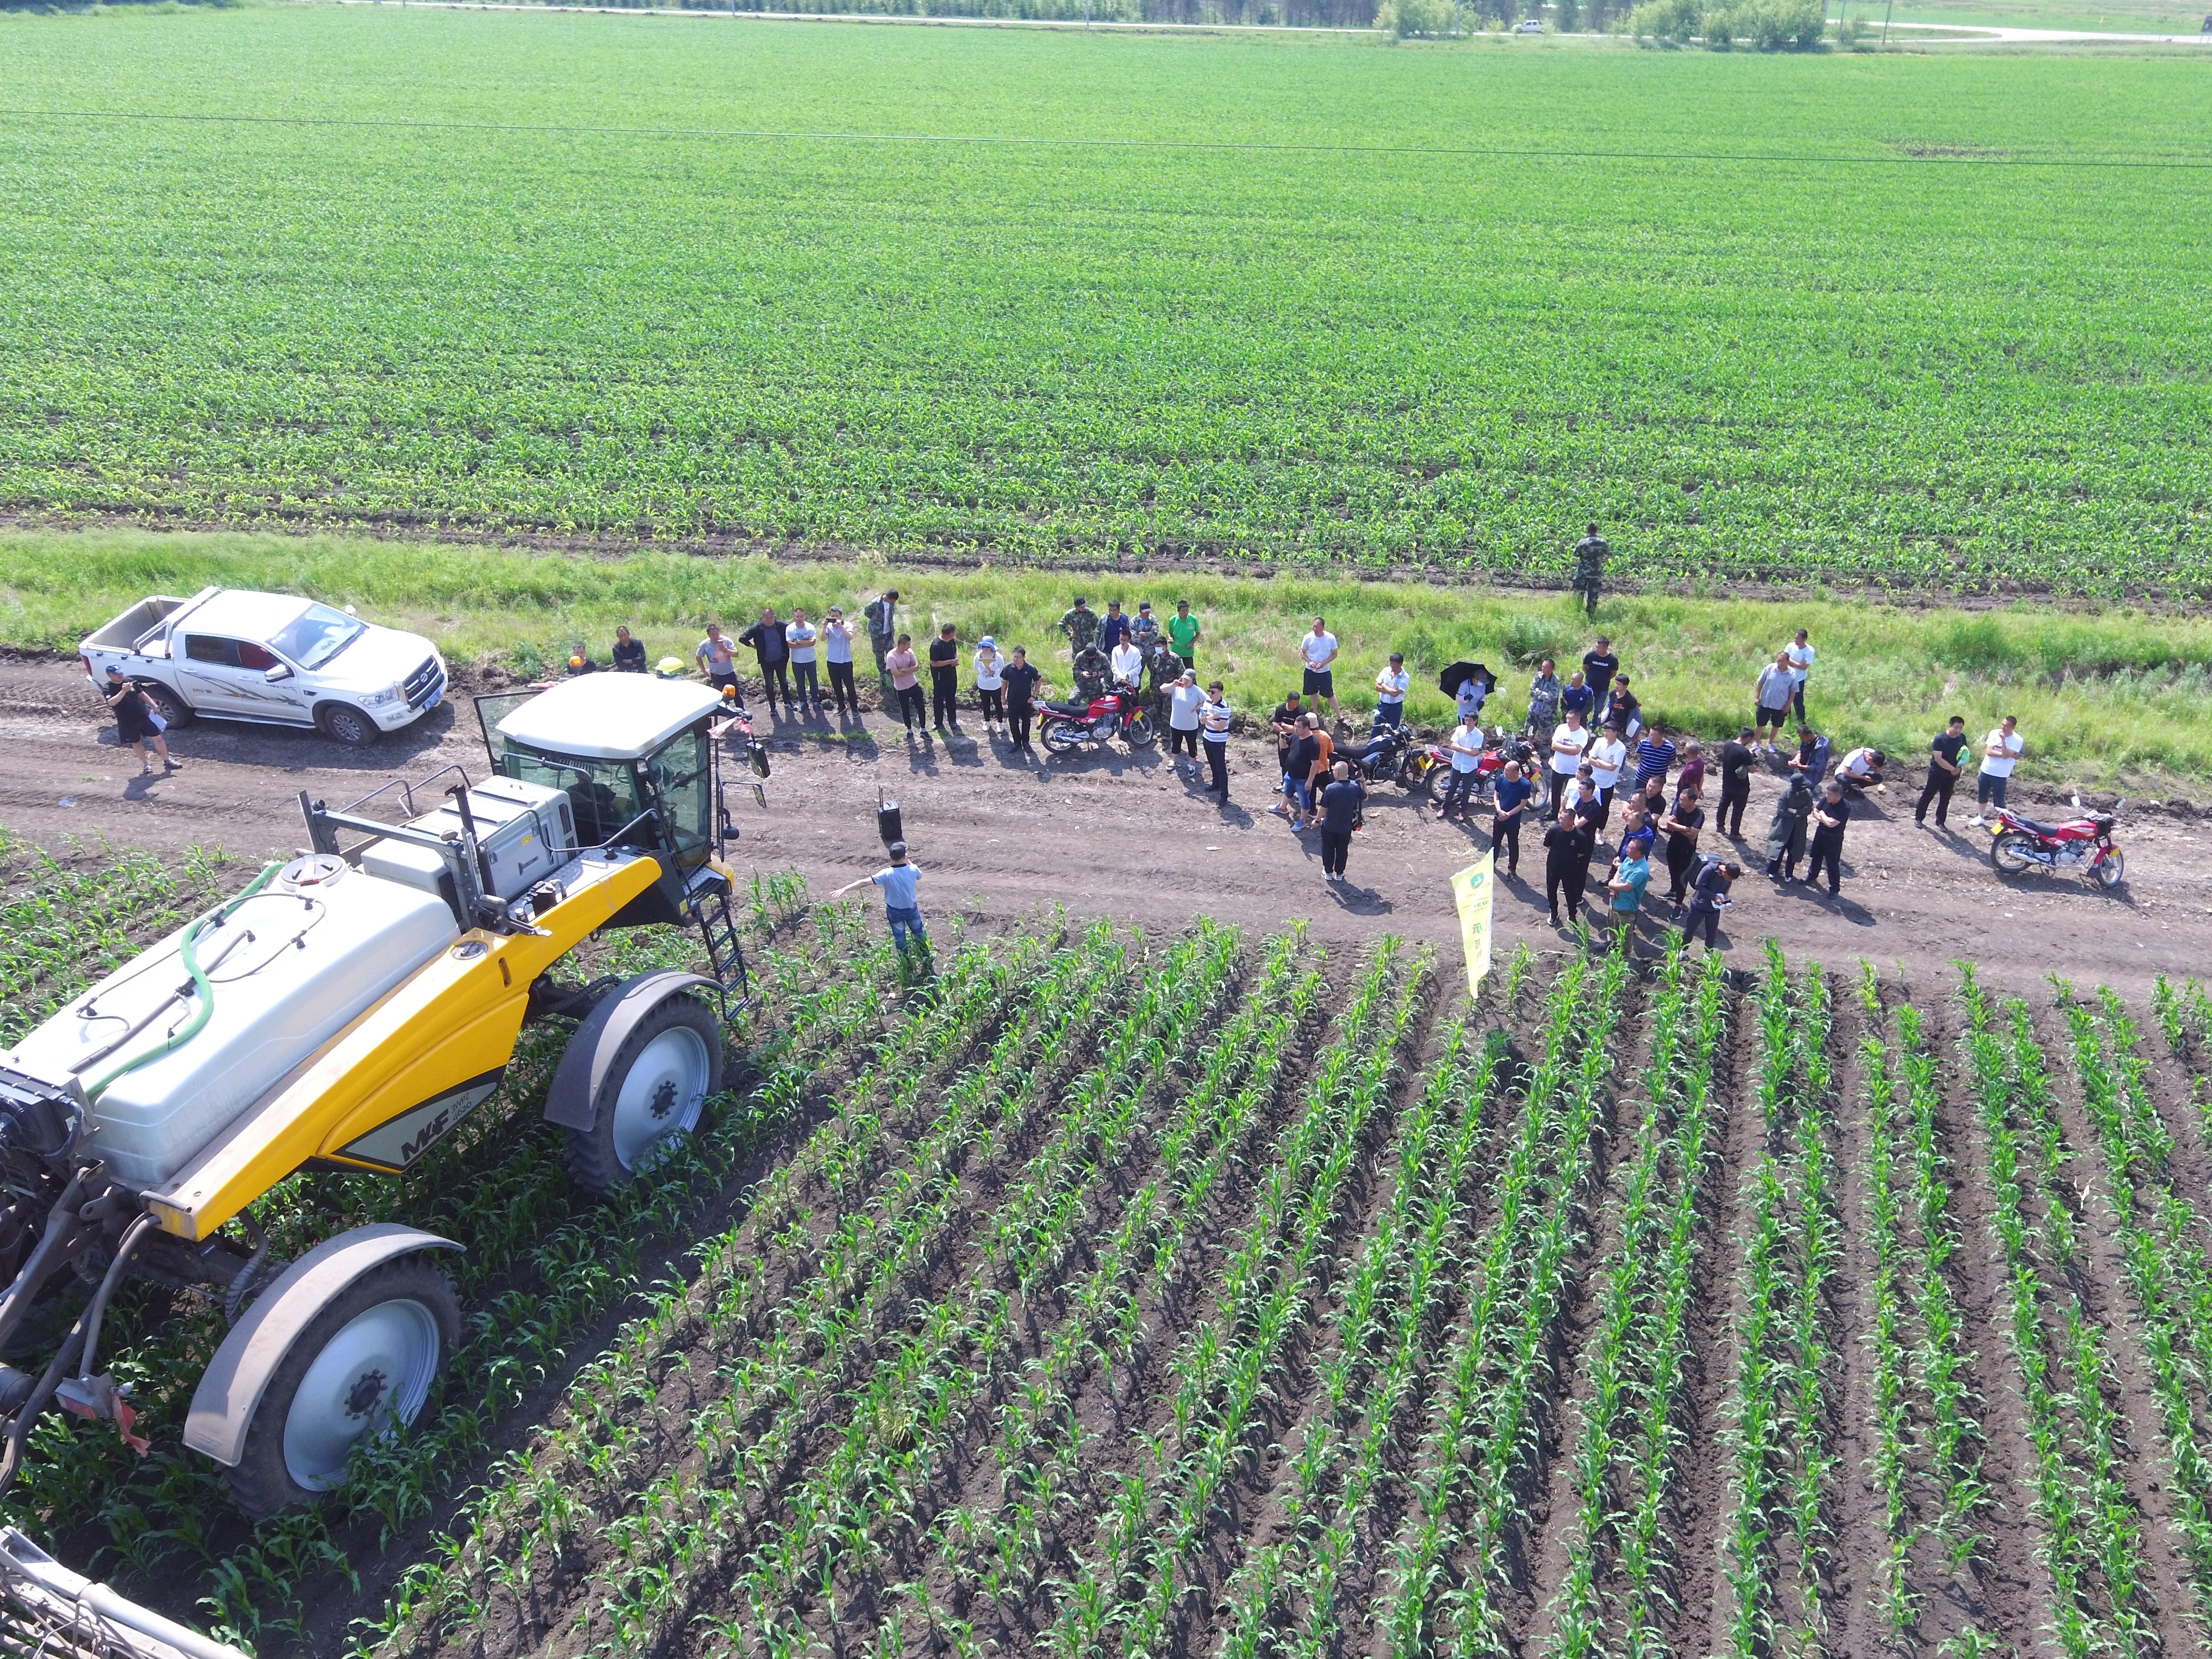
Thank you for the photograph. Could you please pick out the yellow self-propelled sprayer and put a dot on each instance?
(347, 1010)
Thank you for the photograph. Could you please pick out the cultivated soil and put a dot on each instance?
(1122, 834)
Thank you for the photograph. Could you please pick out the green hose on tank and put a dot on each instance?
(190, 956)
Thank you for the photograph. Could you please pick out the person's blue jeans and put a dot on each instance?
(1989, 789)
(804, 686)
(906, 919)
(1389, 715)
(1296, 791)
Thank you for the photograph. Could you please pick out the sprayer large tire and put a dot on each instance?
(655, 1089)
(371, 1360)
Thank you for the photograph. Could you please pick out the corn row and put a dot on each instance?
(1403, 1273)
(1482, 1438)
(1039, 1445)
(1783, 1464)
(1223, 1365)
(2088, 1525)
(2164, 1261)
(1637, 1359)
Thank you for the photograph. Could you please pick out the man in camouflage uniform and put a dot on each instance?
(1590, 569)
(1080, 624)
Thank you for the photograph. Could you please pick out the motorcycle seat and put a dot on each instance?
(2036, 827)
(1066, 707)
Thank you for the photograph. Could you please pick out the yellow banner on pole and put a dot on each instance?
(1474, 890)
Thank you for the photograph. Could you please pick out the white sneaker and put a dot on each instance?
(1975, 822)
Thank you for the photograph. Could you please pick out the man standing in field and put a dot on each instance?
(1829, 818)
(900, 881)
(1214, 719)
(1182, 634)
(1079, 622)
(717, 658)
(1801, 653)
(881, 618)
(1144, 630)
(1544, 693)
(1737, 759)
(1776, 684)
(1590, 554)
(1599, 666)
(2001, 752)
(1944, 765)
(1390, 688)
(1319, 650)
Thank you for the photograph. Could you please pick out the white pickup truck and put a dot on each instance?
(272, 657)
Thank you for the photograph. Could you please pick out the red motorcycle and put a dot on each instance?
(1432, 763)
(2019, 844)
(1065, 727)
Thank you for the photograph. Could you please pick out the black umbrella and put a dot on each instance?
(1460, 673)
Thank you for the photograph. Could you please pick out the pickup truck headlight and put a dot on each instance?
(378, 699)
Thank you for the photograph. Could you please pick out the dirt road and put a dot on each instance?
(1113, 834)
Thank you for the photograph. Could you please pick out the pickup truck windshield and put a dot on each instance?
(316, 634)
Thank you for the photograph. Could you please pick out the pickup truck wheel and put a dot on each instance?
(343, 723)
(173, 709)
(368, 1363)
(650, 1096)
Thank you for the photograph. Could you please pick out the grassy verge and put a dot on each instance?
(2112, 699)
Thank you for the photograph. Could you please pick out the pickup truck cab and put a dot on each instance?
(272, 657)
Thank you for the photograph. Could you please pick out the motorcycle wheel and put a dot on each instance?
(2113, 870)
(1141, 732)
(2009, 852)
(1061, 737)
(1419, 779)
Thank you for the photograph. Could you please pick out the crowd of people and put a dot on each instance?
(1582, 753)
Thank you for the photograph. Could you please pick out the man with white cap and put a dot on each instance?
(1185, 700)
(990, 684)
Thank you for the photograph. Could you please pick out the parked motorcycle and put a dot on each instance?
(1432, 763)
(2019, 844)
(1064, 728)
(1392, 754)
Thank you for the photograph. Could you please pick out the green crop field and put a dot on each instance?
(1936, 320)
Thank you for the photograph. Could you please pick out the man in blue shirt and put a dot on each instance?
(901, 882)
(1655, 756)
(1513, 793)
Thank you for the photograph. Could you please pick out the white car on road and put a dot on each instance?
(272, 657)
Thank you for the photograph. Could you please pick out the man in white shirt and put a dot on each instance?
(1319, 650)
(1801, 654)
(1128, 667)
(1390, 692)
(1185, 702)
(1607, 758)
(1570, 742)
(1466, 744)
(991, 685)
(1863, 770)
(2001, 752)
(1214, 720)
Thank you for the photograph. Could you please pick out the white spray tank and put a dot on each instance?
(170, 1058)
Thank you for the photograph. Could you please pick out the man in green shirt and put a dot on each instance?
(1590, 567)
(1080, 624)
(1182, 634)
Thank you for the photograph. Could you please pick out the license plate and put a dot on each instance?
(435, 699)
